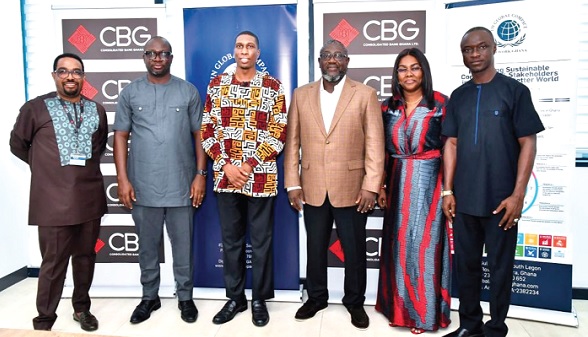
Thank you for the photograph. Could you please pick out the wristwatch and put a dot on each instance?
(202, 172)
(446, 193)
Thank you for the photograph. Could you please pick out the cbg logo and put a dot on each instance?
(376, 32)
(120, 244)
(112, 202)
(109, 86)
(108, 38)
(128, 242)
(373, 241)
(389, 30)
(124, 36)
(377, 78)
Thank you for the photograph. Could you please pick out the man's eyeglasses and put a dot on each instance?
(152, 55)
(64, 73)
(413, 70)
(337, 56)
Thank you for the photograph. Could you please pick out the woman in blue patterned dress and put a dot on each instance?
(414, 278)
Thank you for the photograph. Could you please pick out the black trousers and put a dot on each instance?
(470, 234)
(236, 211)
(57, 245)
(350, 225)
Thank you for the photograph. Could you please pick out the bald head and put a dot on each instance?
(162, 40)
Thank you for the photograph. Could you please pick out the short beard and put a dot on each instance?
(333, 79)
(72, 93)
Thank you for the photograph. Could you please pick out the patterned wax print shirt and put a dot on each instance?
(74, 125)
(245, 122)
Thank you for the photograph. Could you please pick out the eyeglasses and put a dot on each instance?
(337, 56)
(413, 70)
(64, 73)
(152, 55)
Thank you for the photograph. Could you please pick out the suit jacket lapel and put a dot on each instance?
(344, 99)
(315, 106)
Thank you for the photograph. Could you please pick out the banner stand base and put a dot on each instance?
(220, 294)
(532, 314)
(169, 292)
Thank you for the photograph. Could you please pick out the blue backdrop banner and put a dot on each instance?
(209, 42)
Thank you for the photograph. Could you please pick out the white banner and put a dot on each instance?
(544, 246)
(110, 41)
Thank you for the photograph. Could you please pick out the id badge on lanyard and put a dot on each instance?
(76, 158)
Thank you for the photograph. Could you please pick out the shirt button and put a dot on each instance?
(140, 108)
(177, 109)
(328, 141)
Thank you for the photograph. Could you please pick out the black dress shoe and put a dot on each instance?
(143, 311)
(228, 312)
(189, 311)
(461, 332)
(87, 321)
(309, 309)
(359, 318)
(260, 314)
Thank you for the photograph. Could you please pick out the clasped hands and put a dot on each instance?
(238, 176)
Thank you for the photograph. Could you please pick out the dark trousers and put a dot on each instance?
(235, 212)
(179, 222)
(57, 245)
(470, 234)
(351, 231)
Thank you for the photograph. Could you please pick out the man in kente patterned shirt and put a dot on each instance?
(243, 131)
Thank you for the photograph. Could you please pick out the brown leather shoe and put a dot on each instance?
(87, 321)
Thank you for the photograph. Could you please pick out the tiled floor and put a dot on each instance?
(17, 308)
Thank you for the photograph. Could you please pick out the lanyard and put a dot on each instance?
(78, 114)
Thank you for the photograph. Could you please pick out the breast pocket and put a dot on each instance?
(143, 113)
(179, 121)
(492, 122)
(493, 116)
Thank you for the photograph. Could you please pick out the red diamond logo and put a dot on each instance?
(99, 245)
(337, 250)
(88, 90)
(82, 39)
(344, 32)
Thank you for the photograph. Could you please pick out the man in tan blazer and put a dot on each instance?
(337, 123)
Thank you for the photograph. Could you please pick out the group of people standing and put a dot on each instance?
(427, 160)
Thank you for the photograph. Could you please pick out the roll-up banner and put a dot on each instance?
(542, 280)
(111, 41)
(373, 33)
(209, 35)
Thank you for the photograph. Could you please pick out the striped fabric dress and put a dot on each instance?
(414, 281)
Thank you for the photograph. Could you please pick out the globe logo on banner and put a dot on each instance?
(509, 30)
